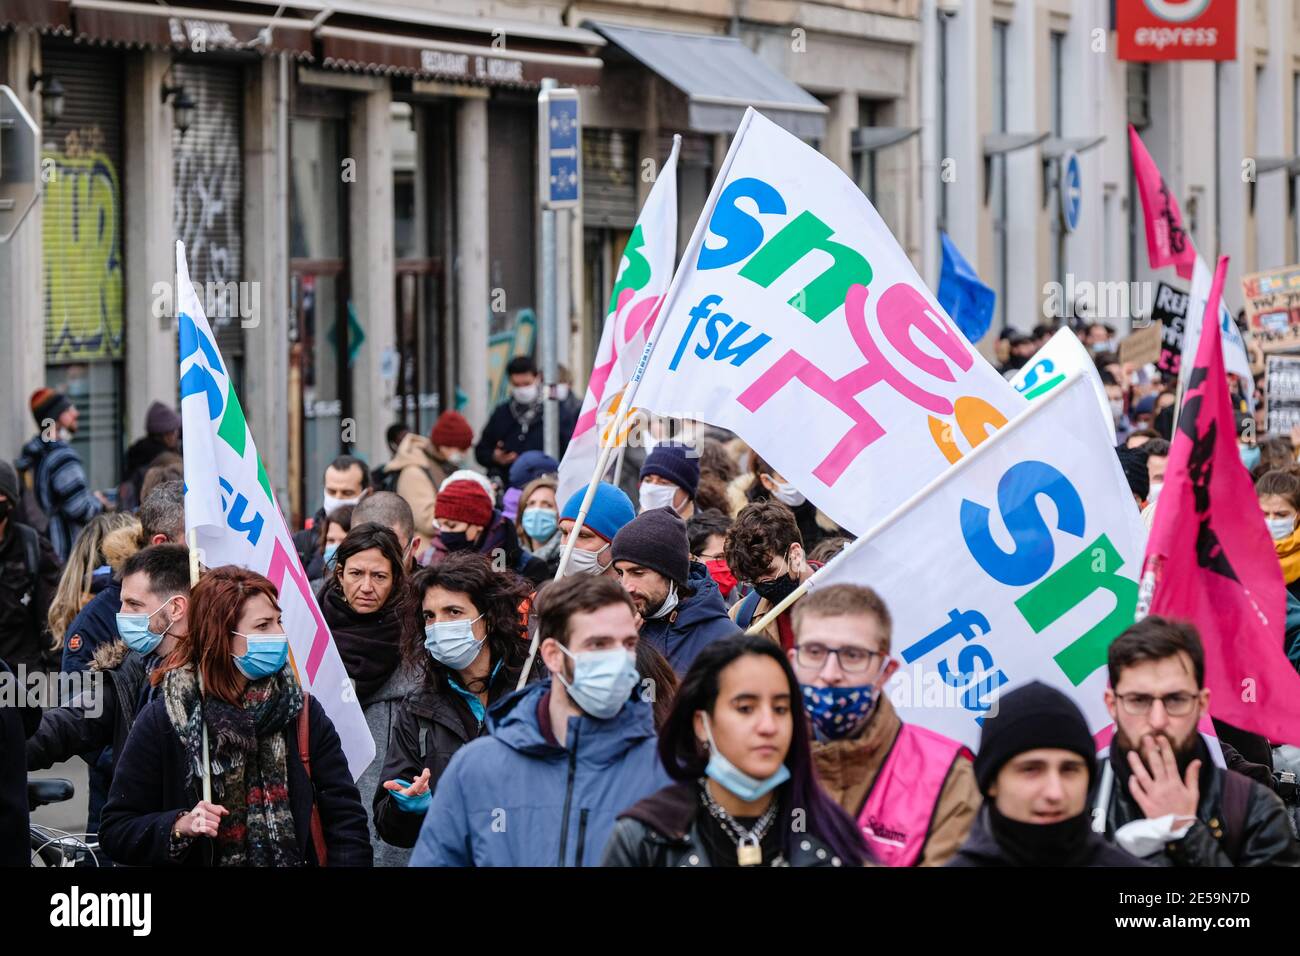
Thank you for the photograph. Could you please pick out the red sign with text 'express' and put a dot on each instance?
(1176, 29)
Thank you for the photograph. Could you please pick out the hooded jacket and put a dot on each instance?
(847, 770)
(419, 473)
(514, 798)
(1267, 839)
(698, 620)
(25, 596)
(62, 490)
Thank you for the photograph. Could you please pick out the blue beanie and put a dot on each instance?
(530, 465)
(675, 463)
(610, 510)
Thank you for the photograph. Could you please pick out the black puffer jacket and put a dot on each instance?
(25, 597)
(93, 721)
(663, 830)
(1267, 839)
(431, 726)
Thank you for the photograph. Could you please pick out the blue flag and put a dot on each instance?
(961, 293)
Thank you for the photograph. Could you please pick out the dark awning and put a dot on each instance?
(720, 77)
(187, 28)
(431, 56)
(47, 16)
(868, 139)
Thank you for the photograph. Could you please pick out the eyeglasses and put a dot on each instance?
(852, 660)
(1175, 705)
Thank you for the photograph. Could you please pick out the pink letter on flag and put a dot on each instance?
(1167, 240)
(1214, 560)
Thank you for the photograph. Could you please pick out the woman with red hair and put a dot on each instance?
(281, 791)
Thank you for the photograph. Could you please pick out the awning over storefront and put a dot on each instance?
(720, 77)
(47, 16)
(508, 64)
(198, 30)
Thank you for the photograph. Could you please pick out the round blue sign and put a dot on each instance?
(1071, 189)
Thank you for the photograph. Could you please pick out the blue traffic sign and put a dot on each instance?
(1071, 188)
(559, 145)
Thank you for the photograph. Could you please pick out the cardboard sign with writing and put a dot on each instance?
(1169, 311)
(1143, 345)
(1273, 307)
(1282, 393)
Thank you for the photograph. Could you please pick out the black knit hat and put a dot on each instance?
(1028, 718)
(675, 463)
(1134, 463)
(657, 540)
(9, 486)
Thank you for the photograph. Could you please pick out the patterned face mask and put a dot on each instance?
(837, 712)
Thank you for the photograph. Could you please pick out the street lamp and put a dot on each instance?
(51, 96)
(183, 106)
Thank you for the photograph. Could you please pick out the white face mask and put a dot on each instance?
(562, 392)
(656, 496)
(1280, 528)
(333, 504)
(525, 394)
(787, 494)
(586, 562)
(1116, 408)
(670, 602)
(1154, 492)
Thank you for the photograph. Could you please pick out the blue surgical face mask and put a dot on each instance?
(266, 654)
(330, 551)
(540, 523)
(837, 712)
(134, 630)
(1249, 455)
(602, 680)
(726, 774)
(453, 642)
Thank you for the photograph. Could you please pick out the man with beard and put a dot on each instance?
(679, 608)
(1161, 797)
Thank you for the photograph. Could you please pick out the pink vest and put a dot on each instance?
(896, 816)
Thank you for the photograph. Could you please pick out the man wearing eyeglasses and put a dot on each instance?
(912, 791)
(1161, 796)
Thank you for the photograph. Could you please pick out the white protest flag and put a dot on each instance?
(231, 509)
(1020, 563)
(797, 321)
(1050, 365)
(644, 274)
(1235, 359)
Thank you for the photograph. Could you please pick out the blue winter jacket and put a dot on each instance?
(695, 623)
(514, 799)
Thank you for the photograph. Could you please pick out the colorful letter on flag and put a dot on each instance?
(1212, 561)
(230, 507)
(1167, 241)
(797, 321)
(1018, 564)
(1050, 365)
(643, 278)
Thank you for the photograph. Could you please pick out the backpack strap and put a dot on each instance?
(1236, 796)
(748, 605)
(304, 751)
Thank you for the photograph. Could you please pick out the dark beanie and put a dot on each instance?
(9, 486)
(1029, 718)
(675, 463)
(1134, 463)
(529, 465)
(657, 540)
(161, 420)
(48, 404)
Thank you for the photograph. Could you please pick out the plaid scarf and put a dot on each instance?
(247, 753)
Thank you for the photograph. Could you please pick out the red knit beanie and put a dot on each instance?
(451, 430)
(466, 501)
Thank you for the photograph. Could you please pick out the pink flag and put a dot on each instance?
(1213, 559)
(1167, 241)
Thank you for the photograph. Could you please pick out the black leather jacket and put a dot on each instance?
(663, 830)
(1267, 840)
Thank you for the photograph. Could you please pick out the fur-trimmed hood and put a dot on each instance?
(109, 657)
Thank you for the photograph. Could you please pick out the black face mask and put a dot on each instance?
(1041, 844)
(455, 540)
(776, 590)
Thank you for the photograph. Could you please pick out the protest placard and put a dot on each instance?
(1282, 393)
(1273, 307)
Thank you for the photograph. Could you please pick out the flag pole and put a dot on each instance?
(965, 462)
(192, 539)
(629, 392)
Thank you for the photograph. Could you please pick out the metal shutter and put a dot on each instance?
(207, 204)
(609, 170)
(82, 209)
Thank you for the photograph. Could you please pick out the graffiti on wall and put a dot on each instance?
(82, 253)
(517, 339)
